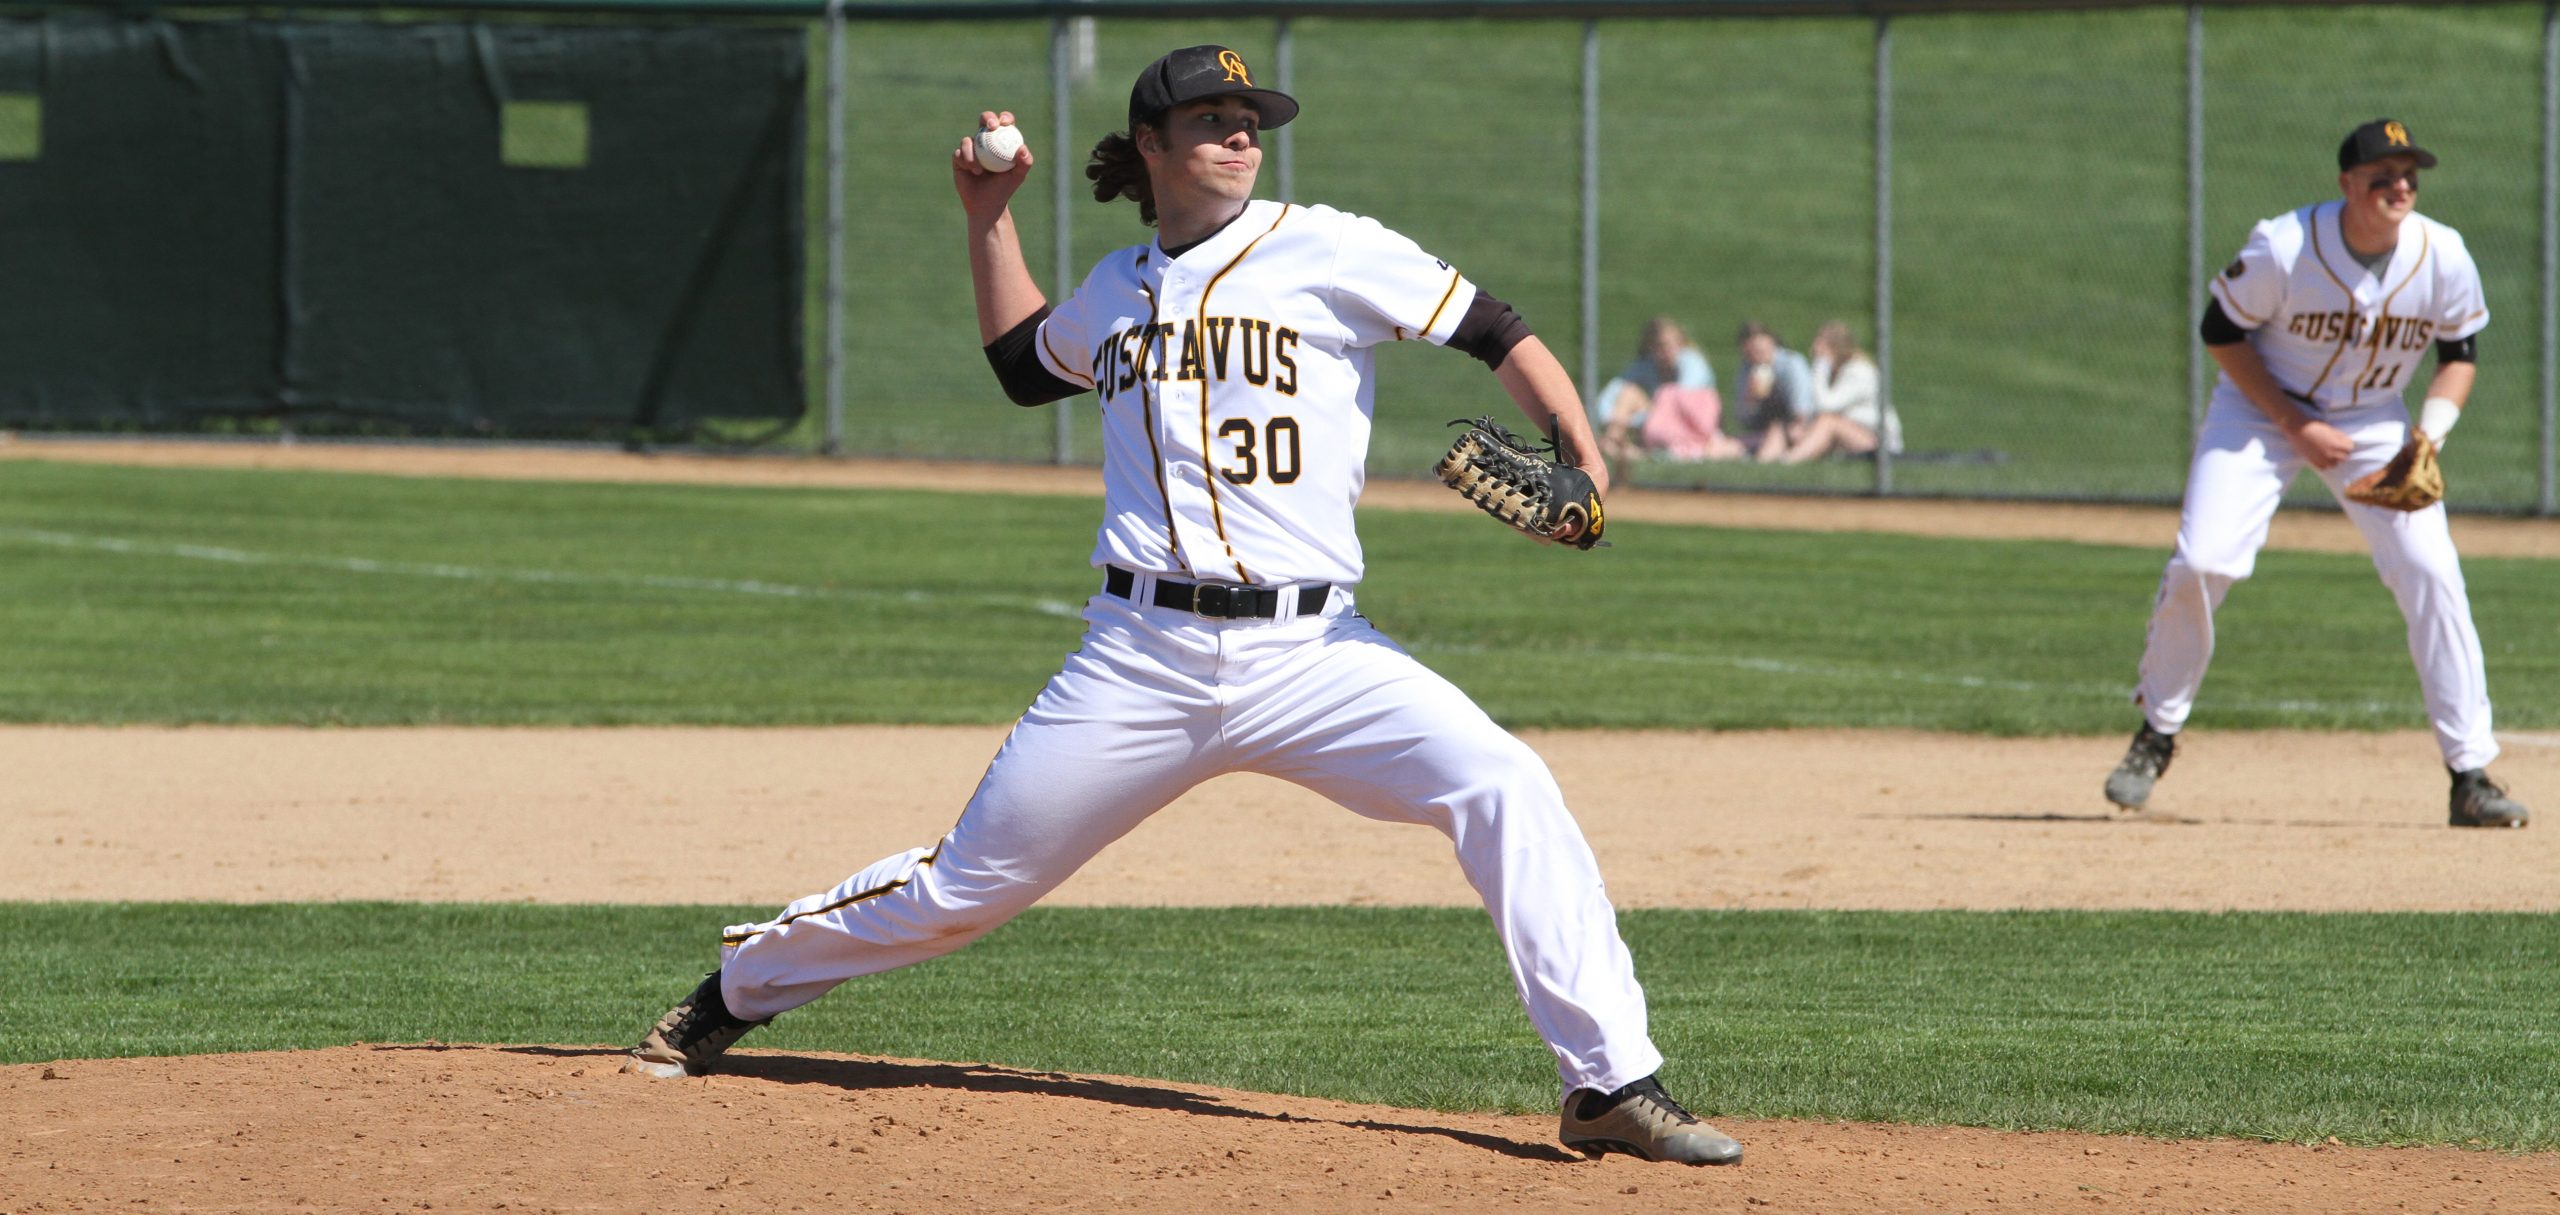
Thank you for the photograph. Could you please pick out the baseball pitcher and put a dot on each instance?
(1231, 359)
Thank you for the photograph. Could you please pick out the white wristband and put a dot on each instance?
(2438, 416)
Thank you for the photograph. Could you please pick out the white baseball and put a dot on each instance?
(997, 148)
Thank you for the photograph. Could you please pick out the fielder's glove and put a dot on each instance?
(1523, 486)
(2411, 481)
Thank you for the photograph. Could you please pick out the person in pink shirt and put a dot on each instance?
(1665, 403)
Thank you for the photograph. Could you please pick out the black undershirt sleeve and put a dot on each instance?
(2218, 329)
(1019, 370)
(1489, 330)
(2458, 350)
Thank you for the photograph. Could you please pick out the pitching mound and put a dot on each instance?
(431, 1127)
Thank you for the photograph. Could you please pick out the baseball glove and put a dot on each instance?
(2411, 481)
(1523, 486)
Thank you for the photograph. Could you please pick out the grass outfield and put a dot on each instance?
(176, 596)
(180, 595)
(2372, 1028)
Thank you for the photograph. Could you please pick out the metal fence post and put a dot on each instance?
(2550, 251)
(833, 359)
(288, 228)
(1061, 101)
(1884, 250)
(1283, 53)
(2195, 219)
(1590, 208)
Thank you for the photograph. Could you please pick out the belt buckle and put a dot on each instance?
(1214, 600)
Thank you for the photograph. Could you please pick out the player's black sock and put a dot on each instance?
(1595, 1103)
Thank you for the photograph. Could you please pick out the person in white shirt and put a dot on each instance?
(1848, 412)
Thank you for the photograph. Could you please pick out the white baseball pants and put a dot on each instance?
(1159, 700)
(2242, 464)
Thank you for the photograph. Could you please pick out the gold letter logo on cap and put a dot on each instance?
(2397, 134)
(1234, 63)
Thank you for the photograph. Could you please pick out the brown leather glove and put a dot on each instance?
(2411, 481)
(1522, 486)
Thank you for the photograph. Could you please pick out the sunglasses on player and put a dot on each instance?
(2384, 179)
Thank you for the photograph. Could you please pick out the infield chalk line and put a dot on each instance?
(1053, 607)
(1775, 666)
(467, 573)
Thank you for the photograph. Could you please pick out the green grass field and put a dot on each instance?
(2371, 1028)
(202, 596)
(206, 596)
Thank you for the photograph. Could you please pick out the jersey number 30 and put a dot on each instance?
(1278, 443)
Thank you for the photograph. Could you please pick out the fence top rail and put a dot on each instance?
(990, 10)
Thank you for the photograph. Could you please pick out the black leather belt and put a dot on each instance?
(1217, 600)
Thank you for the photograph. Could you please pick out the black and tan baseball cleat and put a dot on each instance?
(1642, 1121)
(690, 1036)
(2145, 759)
(2481, 802)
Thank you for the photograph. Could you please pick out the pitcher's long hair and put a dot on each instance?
(1118, 171)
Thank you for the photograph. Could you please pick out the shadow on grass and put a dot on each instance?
(862, 1075)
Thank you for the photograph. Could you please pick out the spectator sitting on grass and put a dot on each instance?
(1777, 392)
(1665, 359)
(1847, 402)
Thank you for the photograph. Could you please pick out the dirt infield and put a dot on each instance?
(1899, 820)
(1680, 819)
(539, 1129)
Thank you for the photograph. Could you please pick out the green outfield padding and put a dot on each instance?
(142, 245)
(492, 230)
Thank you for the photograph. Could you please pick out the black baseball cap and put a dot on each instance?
(1195, 72)
(2377, 139)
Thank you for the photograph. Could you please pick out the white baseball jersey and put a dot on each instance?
(1236, 384)
(2334, 332)
(2347, 341)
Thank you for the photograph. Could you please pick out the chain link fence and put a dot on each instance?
(2014, 210)
(2052, 186)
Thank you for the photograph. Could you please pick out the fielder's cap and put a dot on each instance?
(1195, 72)
(2377, 139)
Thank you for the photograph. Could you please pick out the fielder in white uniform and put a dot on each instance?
(2319, 326)
(1232, 360)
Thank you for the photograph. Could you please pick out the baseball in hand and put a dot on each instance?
(997, 148)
